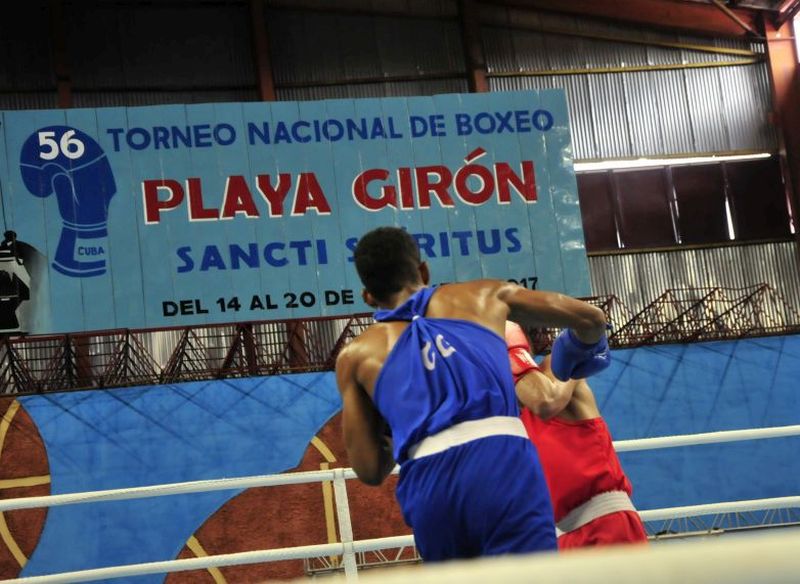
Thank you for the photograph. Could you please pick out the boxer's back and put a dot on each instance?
(439, 371)
(475, 302)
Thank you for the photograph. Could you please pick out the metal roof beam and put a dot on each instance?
(784, 73)
(733, 16)
(787, 11)
(704, 19)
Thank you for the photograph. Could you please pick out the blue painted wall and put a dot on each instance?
(163, 434)
(705, 387)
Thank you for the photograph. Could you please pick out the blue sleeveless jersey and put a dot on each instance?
(440, 372)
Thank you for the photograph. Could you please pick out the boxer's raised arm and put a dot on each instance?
(581, 349)
(536, 308)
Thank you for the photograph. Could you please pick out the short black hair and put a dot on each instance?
(387, 259)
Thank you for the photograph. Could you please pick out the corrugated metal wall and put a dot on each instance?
(26, 72)
(639, 278)
(388, 89)
(18, 100)
(25, 47)
(633, 114)
(320, 55)
(424, 8)
(161, 97)
(142, 54)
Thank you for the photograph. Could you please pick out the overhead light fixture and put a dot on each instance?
(650, 162)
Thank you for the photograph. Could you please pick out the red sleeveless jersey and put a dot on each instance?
(578, 459)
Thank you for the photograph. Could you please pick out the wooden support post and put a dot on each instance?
(473, 47)
(59, 53)
(261, 53)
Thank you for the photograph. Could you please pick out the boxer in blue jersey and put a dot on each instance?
(433, 373)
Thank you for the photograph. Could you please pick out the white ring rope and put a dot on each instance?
(715, 508)
(767, 559)
(295, 478)
(706, 438)
(313, 551)
(235, 559)
(328, 475)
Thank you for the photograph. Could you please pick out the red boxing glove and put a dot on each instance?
(519, 351)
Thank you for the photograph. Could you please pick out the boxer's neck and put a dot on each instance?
(398, 298)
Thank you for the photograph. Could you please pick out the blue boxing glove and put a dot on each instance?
(65, 162)
(573, 359)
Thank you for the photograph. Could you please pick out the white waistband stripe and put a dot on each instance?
(597, 506)
(467, 432)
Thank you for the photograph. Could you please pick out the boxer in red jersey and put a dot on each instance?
(588, 488)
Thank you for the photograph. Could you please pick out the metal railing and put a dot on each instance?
(119, 358)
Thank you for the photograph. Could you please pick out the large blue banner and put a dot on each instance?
(183, 215)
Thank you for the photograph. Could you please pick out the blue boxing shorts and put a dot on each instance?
(485, 497)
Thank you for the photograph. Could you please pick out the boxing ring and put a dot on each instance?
(778, 552)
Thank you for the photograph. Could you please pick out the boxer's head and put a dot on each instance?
(387, 260)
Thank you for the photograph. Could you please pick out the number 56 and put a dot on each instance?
(70, 147)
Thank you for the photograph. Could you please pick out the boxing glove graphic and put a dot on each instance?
(71, 164)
